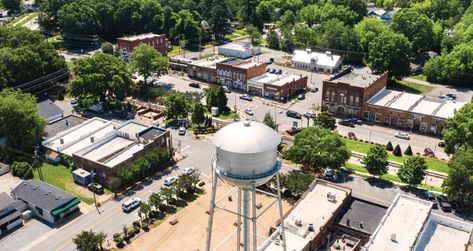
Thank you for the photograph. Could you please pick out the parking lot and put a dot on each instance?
(24, 235)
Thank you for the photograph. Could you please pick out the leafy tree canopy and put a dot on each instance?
(148, 62)
(325, 120)
(417, 27)
(89, 241)
(376, 161)
(367, 29)
(459, 183)
(317, 147)
(412, 171)
(459, 131)
(269, 121)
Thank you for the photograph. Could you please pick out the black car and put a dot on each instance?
(246, 97)
(443, 203)
(195, 85)
(430, 197)
(293, 114)
(96, 188)
(347, 122)
(451, 95)
(441, 144)
(315, 89)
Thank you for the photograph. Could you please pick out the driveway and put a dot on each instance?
(19, 238)
(8, 183)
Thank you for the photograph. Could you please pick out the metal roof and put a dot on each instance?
(247, 137)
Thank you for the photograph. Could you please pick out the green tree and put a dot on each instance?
(13, 5)
(20, 123)
(79, 17)
(295, 183)
(269, 121)
(89, 241)
(412, 171)
(408, 151)
(255, 35)
(186, 27)
(287, 42)
(459, 131)
(397, 151)
(156, 201)
(389, 146)
(220, 20)
(273, 39)
(22, 170)
(318, 147)
(176, 106)
(390, 52)
(198, 116)
(100, 78)
(318, 13)
(145, 208)
(215, 97)
(357, 6)
(107, 48)
(418, 28)
(148, 62)
(335, 34)
(169, 195)
(367, 29)
(325, 120)
(459, 183)
(376, 161)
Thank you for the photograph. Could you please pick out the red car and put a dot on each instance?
(351, 135)
(429, 152)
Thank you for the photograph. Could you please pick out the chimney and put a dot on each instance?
(61, 141)
(393, 237)
(92, 139)
(308, 51)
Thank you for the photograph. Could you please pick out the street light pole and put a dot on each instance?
(370, 136)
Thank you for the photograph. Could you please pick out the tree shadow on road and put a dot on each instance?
(380, 183)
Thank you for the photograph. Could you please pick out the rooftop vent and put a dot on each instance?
(393, 237)
(92, 139)
(298, 223)
(328, 53)
(61, 141)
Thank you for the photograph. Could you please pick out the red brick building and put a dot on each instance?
(277, 86)
(235, 73)
(127, 44)
(346, 94)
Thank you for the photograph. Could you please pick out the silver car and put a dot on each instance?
(402, 135)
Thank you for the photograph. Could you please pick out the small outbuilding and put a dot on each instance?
(49, 110)
(82, 177)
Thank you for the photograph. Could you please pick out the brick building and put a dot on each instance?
(277, 86)
(235, 73)
(126, 45)
(206, 69)
(346, 93)
(410, 111)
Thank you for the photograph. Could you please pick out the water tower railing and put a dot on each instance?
(271, 172)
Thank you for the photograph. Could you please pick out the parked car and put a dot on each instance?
(249, 111)
(402, 135)
(293, 131)
(328, 173)
(443, 203)
(272, 71)
(131, 204)
(293, 114)
(182, 130)
(96, 188)
(346, 122)
(451, 95)
(351, 135)
(246, 97)
(429, 152)
(309, 115)
(315, 89)
(74, 102)
(301, 96)
(194, 84)
(169, 180)
(428, 195)
(278, 71)
(227, 89)
(441, 144)
(188, 170)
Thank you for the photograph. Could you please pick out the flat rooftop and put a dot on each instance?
(62, 124)
(248, 65)
(293, 242)
(357, 77)
(132, 127)
(400, 226)
(315, 209)
(84, 142)
(210, 62)
(236, 46)
(320, 58)
(361, 215)
(274, 79)
(443, 233)
(285, 79)
(416, 103)
(139, 37)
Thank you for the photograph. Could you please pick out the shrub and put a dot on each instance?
(389, 146)
(136, 224)
(397, 151)
(367, 141)
(408, 151)
(22, 170)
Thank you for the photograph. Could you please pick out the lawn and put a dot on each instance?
(176, 50)
(29, 18)
(391, 177)
(403, 85)
(61, 177)
(361, 147)
(419, 77)
(225, 115)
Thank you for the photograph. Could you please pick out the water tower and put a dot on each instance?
(246, 157)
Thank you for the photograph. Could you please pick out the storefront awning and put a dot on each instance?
(65, 207)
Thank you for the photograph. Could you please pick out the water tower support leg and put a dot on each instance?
(239, 220)
(212, 210)
(246, 219)
(253, 190)
(281, 214)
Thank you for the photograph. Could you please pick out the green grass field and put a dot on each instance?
(419, 77)
(61, 177)
(403, 85)
(29, 18)
(361, 147)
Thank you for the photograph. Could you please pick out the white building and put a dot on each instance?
(238, 50)
(316, 61)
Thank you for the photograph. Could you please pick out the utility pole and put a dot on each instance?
(200, 45)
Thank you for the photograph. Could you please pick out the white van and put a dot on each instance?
(131, 204)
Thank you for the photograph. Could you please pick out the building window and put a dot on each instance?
(332, 96)
(357, 101)
(423, 127)
(351, 99)
(327, 95)
(410, 123)
(377, 117)
(366, 115)
(400, 122)
(387, 120)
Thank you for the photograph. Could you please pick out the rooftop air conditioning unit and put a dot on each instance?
(393, 237)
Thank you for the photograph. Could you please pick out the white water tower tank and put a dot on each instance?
(247, 152)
